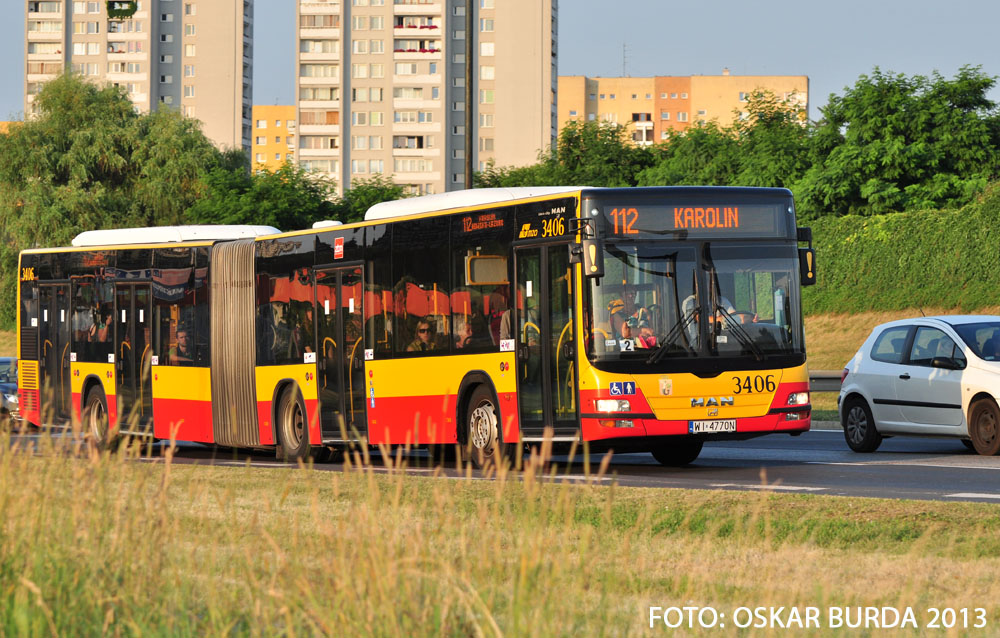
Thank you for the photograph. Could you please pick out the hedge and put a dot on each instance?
(938, 259)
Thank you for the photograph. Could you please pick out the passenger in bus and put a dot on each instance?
(183, 351)
(100, 331)
(463, 332)
(424, 340)
(629, 320)
(301, 340)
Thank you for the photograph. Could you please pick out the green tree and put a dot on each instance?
(705, 155)
(90, 161)
(365, 193)
(586, 153)
(893, 143)
(288, 198)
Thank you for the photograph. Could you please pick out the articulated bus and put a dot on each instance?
(632, 319)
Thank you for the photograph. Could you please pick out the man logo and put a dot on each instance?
(527, 232)
(711, 401)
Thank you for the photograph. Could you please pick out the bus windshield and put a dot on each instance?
(672, 307)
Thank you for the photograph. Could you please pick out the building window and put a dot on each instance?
(189, 29)
(359, 47)
(166, 37)
(486, 49)
(166, 59)
(459, 34)
(684, 96)
(701, 112)
(682, 116)
(166, 17)
(359, 23)
(486, 25)
(635, 96)
(485, 4)
(166, 79)
(189, 50)
(261, 141)
(744, 96)
(649, 96)
(359, 166)
(376, 166)
(673, 96)
(458, 106)
(259, 157)
(486, 144)
(486, 73)
(572, 113)
(188, 90)
(602, 96)
(611, 96)
(189, 70)
(261, 123)
(486, 96)
(664, 115)
(486, 119)
(190, 9)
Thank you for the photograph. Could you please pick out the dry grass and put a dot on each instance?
(104, 545)
(832, 339)
(8, 343)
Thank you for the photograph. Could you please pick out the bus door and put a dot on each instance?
(546, 376)
(340, 365)
(54, 346)
(133, 383)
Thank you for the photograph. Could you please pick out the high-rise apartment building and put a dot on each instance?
(381, 87)
(655, 108)
(193, 55)
(274, 132)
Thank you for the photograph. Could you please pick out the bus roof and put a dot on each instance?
(168, 234)
(461, 199)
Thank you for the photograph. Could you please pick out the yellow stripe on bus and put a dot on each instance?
(99, 370)
(182, 382)
(268, 378)
(436, 376)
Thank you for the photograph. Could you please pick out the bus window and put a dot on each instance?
(480, 270)
(421, 291)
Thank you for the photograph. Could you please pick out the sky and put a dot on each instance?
(832, 43)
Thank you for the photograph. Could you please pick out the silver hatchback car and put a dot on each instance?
(927, 376)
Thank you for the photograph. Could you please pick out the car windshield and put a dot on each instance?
(982, 338)
(660, 303)
(8, 371)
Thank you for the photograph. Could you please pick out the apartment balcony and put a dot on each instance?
(323, 33)
(410, 54)
(320, 129)
(310, 153)
(416, 152)
(648, 124)
(321, 8)
(319, 57)
(318, 104)
(417, 128)
(416, 31)
(402, 178)
(418, 9)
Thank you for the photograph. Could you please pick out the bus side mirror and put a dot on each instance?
(593, 258)
(807, 266)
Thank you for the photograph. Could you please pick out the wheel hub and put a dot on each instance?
(483, 428)
(857, 423)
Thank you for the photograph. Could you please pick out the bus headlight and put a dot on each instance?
(10, 398)
(613, 405)
(798, 398)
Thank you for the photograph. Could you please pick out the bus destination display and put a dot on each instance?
(705, 219)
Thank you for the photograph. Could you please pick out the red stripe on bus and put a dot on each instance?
(415, 419)
(264, 425)
(183, 420)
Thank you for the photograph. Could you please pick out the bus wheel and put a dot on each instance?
(679, 451)
(984, 427)
(95, 418)
(293, 431)
(482, 444)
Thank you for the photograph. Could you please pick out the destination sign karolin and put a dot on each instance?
(708, 217)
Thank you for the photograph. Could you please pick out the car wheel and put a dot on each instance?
(859, 427)
(984, 427)
(677, 452)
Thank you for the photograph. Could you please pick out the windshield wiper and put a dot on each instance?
(675, 332)
(741, 335)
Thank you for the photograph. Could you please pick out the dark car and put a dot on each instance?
(8, 386)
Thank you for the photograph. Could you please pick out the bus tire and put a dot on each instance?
(483, 438)
(293, 426)
(678, 451)
(95, 419)
(859, 426)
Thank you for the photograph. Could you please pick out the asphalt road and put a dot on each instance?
(818, 462)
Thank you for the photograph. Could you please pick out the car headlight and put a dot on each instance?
(798, 398)
(10, 398)
(613, 405)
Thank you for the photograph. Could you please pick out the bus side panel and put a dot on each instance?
(414, 400)
(268, 379)
(105, 372)
(27, 389)
(182, 404)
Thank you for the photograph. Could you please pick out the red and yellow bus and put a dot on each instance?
(644, 319)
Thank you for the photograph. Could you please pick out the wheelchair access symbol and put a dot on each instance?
(622, 388)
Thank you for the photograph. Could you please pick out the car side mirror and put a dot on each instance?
(947, 363)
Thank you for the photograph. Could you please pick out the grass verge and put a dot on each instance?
(104, 545)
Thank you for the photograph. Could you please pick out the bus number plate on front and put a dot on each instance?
(710, 427)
